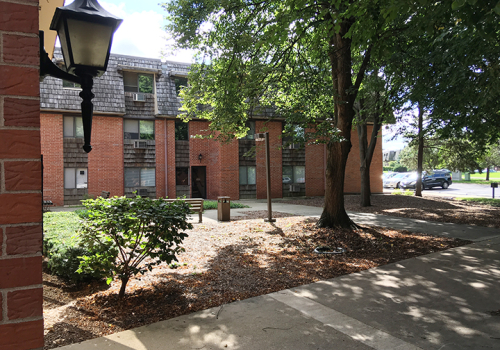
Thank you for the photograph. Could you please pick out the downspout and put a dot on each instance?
(166, 160)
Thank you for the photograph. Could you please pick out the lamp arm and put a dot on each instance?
(47, 67)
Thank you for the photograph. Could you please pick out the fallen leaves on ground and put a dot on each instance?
(225, 262)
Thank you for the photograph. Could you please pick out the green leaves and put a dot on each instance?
(122, 232)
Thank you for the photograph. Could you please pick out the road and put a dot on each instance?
(460, 190)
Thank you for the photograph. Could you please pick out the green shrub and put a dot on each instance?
(123, 232)
(61, 247)
(82, 213)
(400, 169)
(397, 192)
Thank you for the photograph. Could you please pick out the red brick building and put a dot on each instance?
(139, 144)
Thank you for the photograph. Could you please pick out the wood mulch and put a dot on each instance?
(225, 262)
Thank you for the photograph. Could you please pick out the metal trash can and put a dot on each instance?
(223, 208)
(467, 176)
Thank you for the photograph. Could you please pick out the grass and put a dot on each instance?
(208, 205)
(480, 179)
(61, 227)
(494, 202)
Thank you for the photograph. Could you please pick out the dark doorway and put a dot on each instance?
(199, 182)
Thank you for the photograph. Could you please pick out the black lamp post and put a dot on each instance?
(265, 137)
(85, 31)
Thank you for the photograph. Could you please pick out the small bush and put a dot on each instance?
(62, 247)
(130, 235)
(397, 192)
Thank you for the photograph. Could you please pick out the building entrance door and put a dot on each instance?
(198, 182)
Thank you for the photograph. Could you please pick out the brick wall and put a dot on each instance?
(210, 151)
(274, 129)
(315, 170)
(106, 158)
(21, 322)
(228, 165)
(51, 130)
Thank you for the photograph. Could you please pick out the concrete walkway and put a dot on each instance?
(438, 301)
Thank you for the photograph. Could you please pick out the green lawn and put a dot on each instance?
(489, 201)
(480, 179)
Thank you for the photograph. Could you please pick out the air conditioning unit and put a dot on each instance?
(140, 144)
(139, 97)
(142, 192)
(294, 188)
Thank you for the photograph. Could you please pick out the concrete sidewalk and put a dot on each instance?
(438, 301)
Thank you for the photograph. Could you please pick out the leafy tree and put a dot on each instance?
(123, 232)
(490, 158)
(305, 59)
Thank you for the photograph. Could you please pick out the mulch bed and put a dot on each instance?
(225, 262)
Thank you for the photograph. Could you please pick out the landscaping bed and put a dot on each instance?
(225, 262)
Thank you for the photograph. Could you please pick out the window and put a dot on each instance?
(179, 83)
(181, 130)
(138, 82)
(140, 177)
(294, 174)
(251, 133)
(73, 127)
(70, 85)
(247, 175)
(139, 129)
(75, 178)
(182, 176)
(293, 136)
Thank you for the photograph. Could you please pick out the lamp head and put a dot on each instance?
(85, 31)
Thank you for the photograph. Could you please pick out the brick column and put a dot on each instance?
(21, 322)
(106, 159)
(51, 130)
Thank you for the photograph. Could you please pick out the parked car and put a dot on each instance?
(388, 175)
(395, 181)
(429, 180)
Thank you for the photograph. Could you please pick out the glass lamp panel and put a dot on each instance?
(89, 42)
(61, 31)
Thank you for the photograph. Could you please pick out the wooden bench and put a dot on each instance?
(195, 204)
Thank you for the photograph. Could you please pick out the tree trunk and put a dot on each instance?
(334, 214)
(420, 156)
(488, 173)
(366, 151)
(121, 294)
(364, 168)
